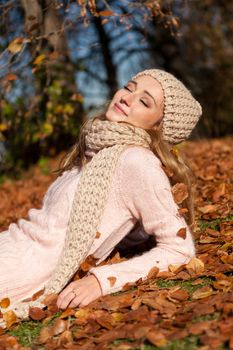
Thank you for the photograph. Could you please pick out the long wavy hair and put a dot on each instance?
(174, 165)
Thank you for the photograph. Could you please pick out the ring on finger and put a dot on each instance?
(73, 291)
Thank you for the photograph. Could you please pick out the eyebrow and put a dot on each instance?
(145, 91)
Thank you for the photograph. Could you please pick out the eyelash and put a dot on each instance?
(127, 88)
(143, 102)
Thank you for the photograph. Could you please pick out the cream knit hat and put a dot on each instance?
(181, 110)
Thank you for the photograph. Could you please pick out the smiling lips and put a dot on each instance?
(119, 109)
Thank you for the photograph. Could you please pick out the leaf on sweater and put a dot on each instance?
(112, 281)
(37, 294)
(36, 313)
(10, 318)
(180, 192)
(182, 233)
(98, 234)
(4, 303)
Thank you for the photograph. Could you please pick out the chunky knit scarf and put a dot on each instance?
(106, 140)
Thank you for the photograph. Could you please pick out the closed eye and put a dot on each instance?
(144, 103)
(126, 87)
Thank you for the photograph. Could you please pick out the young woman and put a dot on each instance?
(112, 181)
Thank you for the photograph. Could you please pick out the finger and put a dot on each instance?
(75, 302)
(66, 300)
(65, 293)
(80, 295)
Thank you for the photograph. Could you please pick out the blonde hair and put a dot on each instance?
(174, 166)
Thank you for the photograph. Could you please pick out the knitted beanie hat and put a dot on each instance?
(181, 110)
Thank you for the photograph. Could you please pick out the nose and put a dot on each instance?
(126, 99)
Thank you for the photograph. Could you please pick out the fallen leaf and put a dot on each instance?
(179, 294)
(219, 192)
(209, 208)
(203, 292)
(183, 211)
(11, 77)
(36, 313)
(106, 13)
(153, 272)
(65, 339)
(68, 312)
(157, 338)
(82, 315)
(196, 265)
(45, 335)
(39, 59)
(59, 326)
(50, 299)
(16, 45)
(10, 318)
(176, 268)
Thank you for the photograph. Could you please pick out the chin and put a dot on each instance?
(112, 117)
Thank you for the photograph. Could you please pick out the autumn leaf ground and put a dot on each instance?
(186, 308)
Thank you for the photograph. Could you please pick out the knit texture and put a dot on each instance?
(181, 110)
(108, 139)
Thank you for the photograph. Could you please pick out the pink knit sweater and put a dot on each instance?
(140, 191)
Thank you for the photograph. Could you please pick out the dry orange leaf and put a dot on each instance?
(203, 292)
(82, 315)
(59, 326)
(153, 272)
(176, 268)
(68, 312)
(106, 13)
(45, 334)
(10, 318)
(183, 211)
(182, 233)
(180, 192)
(156, 338)
(16, 45)
(220, 191)
(112, 281)
(36, 313)
(98, 234)
(196, 265)
(50, 299)
(11, 77)
(65, 339)
(180, 295)
(39, 59)
(209, 208)
(4, 303)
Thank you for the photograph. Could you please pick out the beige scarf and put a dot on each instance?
(106, 140)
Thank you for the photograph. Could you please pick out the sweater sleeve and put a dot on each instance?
(145, 191)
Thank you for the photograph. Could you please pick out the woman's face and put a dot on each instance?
(140, 103)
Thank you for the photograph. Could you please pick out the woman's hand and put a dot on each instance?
(79, 293)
